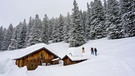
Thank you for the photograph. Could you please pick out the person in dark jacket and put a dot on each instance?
(95, 50)
(92, 52)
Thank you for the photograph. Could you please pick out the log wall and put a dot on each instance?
(35, 59)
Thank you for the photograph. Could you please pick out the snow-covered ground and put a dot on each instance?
(115, 58)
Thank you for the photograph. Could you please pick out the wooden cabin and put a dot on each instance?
(41, 56)
(68, 60)
(75, 56)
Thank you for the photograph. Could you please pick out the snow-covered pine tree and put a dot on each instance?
(29, 30)
(55, 31)
(83, 21)
(128, 17)
(124, 5)
(76, 31)
(113, 21)
(7, 38)
(36, 31)
(105, 14)
(51, 26)
(90, 29)
(60, 28)
(88, 22)
(97, 20)
(22, 35)
(14, 42)
(1, 36)
(13, 45)
(45, 33)
(105, 8)
(67, 27)
(58, 34)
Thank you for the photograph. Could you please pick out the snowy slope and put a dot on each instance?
(115, 58)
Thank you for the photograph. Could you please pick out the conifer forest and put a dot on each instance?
(112, 19)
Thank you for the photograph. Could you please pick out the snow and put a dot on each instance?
(75, 52)
(79, 57)
(33, 48)
(115, 58)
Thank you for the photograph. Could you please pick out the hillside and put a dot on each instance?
(115, 58)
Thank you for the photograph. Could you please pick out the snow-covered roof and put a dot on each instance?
(73, 53)
(77, 58)
(76, 54)
(33, 48)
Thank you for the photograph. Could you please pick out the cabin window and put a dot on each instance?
(43, 64)
(48, 64)
(42, 55)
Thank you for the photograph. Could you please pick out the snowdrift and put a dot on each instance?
(115, 58)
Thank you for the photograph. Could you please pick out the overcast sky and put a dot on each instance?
(14, 11)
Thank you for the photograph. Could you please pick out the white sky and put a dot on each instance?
(14, 11)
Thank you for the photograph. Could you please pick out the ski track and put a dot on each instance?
(120, 67)
(126, 67)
